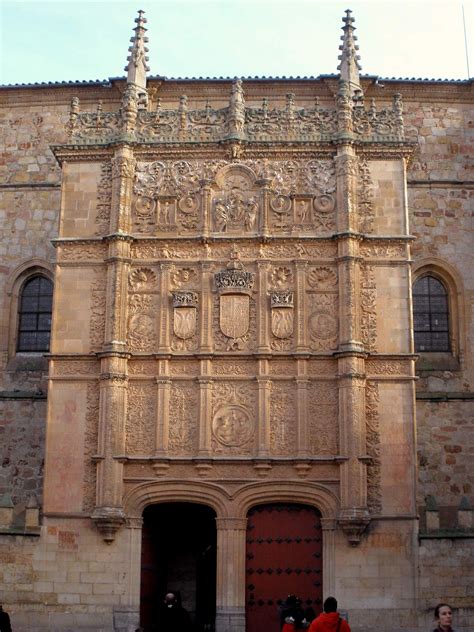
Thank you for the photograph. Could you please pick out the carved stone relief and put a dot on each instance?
(142, 309)
(104, 198)
(323, 326)
(90, 446)
(365, 197)
(142, 367)
(184, 408)
(323, 418)
(374, 491)
(283, 418)
(185, 320)
(141, 419)
(231, 367)
(97, 314)
(235, 201)
(282, 319)
(167, 197)
(368, 305)
(76, 367)
(233, 418)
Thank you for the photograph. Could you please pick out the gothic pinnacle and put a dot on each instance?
(349, 66)
(137, 66)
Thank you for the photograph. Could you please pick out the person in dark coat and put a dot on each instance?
(444, 617)
(172, 617)
(5, 625)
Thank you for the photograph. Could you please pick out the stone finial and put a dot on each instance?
(137, 66)
(236, 117)
(349, 66)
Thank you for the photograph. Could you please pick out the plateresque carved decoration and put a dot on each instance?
(184, 313)
(236, 204)
(233, 423)
(282, 313)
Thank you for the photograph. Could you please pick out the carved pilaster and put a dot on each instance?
(165, 343)
(302, 436)
(266, 192)
(118, 267)
(123, 170)
(162, 411)
(354, 515)
(264, 394)
(349, 295)
(205, 431)
(263, 310)
(108, 514)
(346, 179)
(230, 581)
(301, 342)
(206, 307)
(206, 207)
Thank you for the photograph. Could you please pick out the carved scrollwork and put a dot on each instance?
(282, 416)
(184, 407)
(141, 418)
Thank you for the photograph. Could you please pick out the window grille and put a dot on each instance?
(34, 317)
(430, 315)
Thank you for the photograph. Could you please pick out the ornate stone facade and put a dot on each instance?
(232, 326)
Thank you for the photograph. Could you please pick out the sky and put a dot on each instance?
(67, 40)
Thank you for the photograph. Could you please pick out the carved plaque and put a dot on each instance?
(234, 316)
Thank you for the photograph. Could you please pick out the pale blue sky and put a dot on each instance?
(71, 40)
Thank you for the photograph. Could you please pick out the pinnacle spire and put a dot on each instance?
(137, 66)
(349, 66)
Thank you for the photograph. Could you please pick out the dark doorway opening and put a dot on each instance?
(179, 555)
(283, 557)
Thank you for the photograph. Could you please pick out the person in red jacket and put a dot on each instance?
(329, 620)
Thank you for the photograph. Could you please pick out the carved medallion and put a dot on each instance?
(231, 425)
(234, 315)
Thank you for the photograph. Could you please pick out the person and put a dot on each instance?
(329, 620)
(172, 616)
(444, 617)
(5, 625)
(292, 615)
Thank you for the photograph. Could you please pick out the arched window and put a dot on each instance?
(431, 315)
(34, 314)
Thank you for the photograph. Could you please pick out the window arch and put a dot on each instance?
(34, 314)
(431, 319)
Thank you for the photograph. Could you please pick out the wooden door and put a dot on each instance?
(283, 556)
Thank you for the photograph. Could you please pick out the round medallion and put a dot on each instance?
(322, 325)
(231, 425)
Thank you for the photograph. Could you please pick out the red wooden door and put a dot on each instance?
(284, 548)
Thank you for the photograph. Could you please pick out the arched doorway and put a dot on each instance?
(179, 555)
(283, 556)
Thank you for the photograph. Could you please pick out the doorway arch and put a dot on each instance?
(283, 556)
(179, 555)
